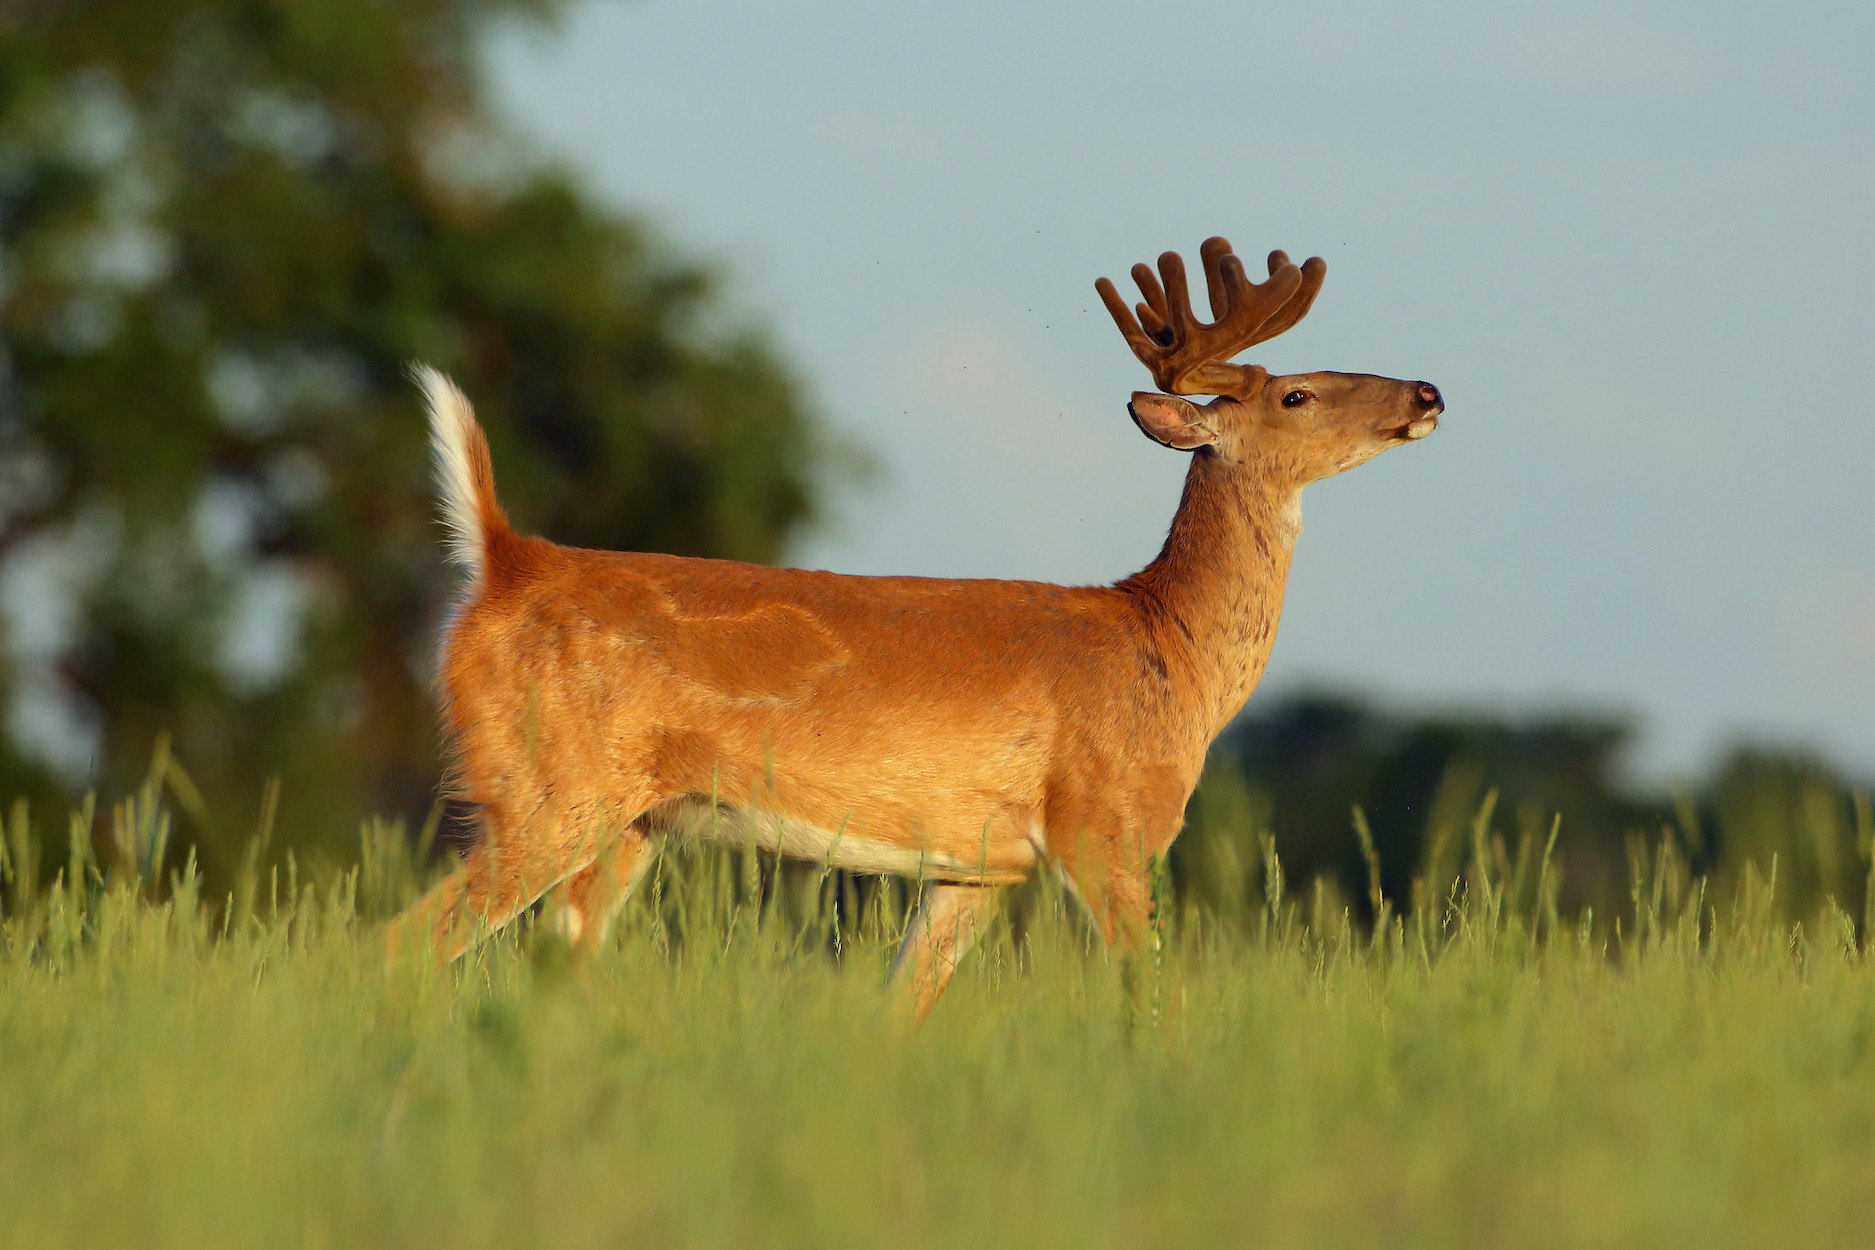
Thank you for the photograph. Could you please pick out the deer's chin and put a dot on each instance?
(1414, 430)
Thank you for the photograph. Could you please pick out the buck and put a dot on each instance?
(963, 731)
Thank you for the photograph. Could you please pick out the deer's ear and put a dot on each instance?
(1175, 422)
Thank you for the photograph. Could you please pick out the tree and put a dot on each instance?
(1294, 770)
(226, 227)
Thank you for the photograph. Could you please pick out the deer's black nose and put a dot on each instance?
(1429, 397)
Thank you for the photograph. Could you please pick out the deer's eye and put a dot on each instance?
(1295, 399)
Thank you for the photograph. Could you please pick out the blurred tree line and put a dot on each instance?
(1293, 771)
(226, 228)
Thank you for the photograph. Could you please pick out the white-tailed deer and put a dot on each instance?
(965, 731)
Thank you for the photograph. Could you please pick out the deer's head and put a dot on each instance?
(1301, 426)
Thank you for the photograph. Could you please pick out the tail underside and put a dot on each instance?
(465, 477)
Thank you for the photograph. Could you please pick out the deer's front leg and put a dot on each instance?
(949, 921)
(1113, 876)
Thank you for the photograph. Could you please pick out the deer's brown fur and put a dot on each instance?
(962, 730)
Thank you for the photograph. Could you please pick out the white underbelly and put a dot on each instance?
(792, 838)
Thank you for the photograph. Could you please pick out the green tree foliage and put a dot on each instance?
(226, 227)
(1792, 820)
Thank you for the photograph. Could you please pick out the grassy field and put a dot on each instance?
(179, 1071)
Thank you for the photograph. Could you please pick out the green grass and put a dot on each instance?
(184, 1072)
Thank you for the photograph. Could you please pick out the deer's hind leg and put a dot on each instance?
(584, 905)
(950, 919)
(513, 865)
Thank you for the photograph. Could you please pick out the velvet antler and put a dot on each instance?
(1189, 357)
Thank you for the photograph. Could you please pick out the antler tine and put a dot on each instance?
(1212, 252)
(1153, 313)
(1296, 307)
(1177, 298)
(1142, 344)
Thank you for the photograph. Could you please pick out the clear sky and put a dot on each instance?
(1634, 244)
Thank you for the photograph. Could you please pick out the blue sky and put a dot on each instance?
(1632, 243)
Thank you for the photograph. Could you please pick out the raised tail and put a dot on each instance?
(465, 477)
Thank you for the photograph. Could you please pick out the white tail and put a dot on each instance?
(452, 429)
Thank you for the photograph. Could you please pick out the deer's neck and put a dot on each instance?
(1213, 595)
